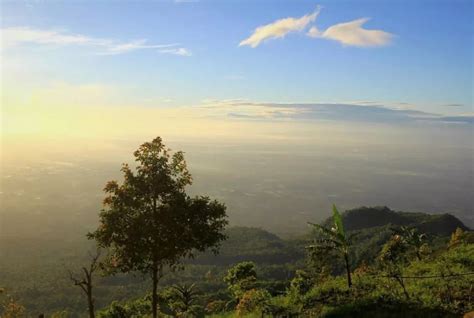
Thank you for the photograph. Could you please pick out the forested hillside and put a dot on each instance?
(289, 278)
(369, 217)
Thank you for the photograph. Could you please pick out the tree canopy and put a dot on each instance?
(149, 222)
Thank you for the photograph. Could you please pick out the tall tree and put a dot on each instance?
(335, 239)
(85, 280)
(149, 222)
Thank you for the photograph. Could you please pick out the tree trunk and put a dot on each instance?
(90, 298)
(402, 283)
(90, 301)
(154, 299)
(154, 296)
(348, 270)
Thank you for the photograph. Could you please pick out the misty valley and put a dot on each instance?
(283, 265)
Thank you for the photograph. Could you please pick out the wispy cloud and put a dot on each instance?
(181, 51)
(353, 34)
(279, 29)
(133, 46)
(17, 36)
(349, 33)
(453, 105)
(325, 111)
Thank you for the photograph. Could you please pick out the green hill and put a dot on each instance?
(42, 288)
(288, 284)
(253, 244)
(370, 226)
(370, 217)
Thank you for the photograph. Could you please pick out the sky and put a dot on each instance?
(277, 104)
(184, 55)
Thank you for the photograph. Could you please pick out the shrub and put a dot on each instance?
(253, 300)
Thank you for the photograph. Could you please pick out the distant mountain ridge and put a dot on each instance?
(373, 225)
(369, 217)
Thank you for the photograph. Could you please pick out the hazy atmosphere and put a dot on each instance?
(276, 175)
(282, 109)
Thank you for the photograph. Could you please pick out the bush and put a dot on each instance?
(254, 300)
(216, 307)
(132, 309)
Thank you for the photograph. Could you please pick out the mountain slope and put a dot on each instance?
(253, 244)
(369, 217)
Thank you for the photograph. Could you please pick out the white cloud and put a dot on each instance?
(349, 33)
(132, 46)
(279, 29)
(181, 51)
(353, 34)
(17, 36)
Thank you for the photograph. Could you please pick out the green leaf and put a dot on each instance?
(338, 221)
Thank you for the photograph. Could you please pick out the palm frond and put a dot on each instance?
(338, 221)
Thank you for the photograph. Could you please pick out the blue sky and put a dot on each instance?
(426, 64)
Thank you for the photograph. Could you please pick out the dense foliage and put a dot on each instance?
(315, 285)
(440, 284)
